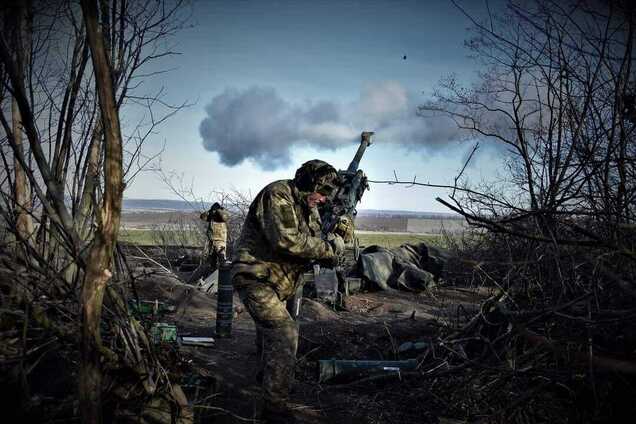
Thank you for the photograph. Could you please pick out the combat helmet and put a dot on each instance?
(216, 213)
(317, 176)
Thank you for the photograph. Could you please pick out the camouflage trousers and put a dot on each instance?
(276, 338)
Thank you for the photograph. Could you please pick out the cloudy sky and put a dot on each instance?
(275, 83)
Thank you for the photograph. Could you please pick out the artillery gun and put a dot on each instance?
(348, 195)
(332, 284)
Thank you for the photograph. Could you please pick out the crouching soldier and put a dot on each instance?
(280, 237)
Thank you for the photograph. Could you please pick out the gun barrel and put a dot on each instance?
(365, 140)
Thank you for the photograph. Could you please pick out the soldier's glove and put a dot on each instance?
(344, 228)
(337, 244)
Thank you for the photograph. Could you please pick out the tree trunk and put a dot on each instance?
(24, 223)
(91, 180)
(98, 263)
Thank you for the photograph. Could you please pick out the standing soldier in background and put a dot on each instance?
(280, 237)
(215, 249)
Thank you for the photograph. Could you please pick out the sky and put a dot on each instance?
(272, 84)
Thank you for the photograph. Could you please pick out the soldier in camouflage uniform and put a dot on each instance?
(215, 249)
(280, 237)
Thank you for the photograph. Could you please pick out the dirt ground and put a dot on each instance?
(370, 325)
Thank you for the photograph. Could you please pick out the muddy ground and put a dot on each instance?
(220, 380)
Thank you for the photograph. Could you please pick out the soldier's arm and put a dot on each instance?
(281, 226)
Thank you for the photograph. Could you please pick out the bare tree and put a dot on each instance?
(98, 266)
(555, 96)
(66, 75)
(24, 223)
(552, 97)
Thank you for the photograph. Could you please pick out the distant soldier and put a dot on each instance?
(215, 248)
(280, 237)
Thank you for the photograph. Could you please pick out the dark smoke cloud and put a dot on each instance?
(259, 125)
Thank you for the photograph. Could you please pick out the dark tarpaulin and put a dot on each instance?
(408, 267)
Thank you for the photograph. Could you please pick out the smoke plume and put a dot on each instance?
(257, 124)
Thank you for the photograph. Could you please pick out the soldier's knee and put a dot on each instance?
(264, 306)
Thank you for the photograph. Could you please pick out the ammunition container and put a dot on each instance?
(162, 332)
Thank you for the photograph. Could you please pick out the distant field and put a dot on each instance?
(405, 224)
(192, 238)
(160, 237)
(176, 227)
(395, 240)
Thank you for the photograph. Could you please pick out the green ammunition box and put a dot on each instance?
(162, 332)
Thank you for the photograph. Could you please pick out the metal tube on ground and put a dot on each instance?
(329, 368)
(224, 302)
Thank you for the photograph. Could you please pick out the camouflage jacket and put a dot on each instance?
(280, 236)
(217, 236)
